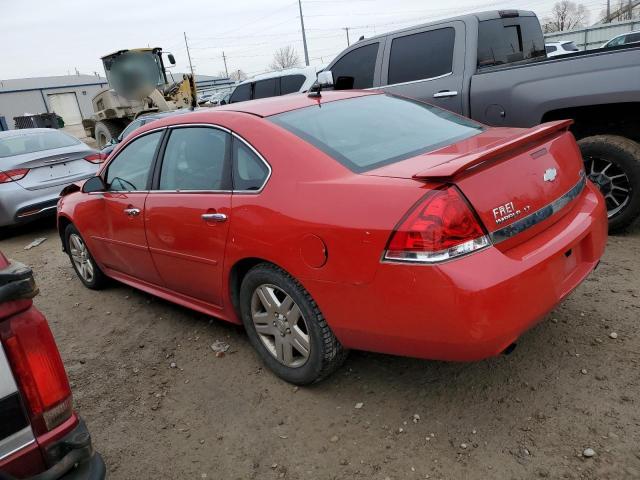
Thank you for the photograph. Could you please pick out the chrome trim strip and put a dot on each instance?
(539, 215)
(29, 213)
(15, 442)
(411, 82)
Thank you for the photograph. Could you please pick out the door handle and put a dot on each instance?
(214, 217)
(445, 93)
(132, 212)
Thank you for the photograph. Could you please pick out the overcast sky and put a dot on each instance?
(54, 37)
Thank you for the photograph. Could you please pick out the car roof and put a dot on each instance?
(25, 131)
(306, 71)
(266, 107)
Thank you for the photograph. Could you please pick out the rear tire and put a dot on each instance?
(279, 327)
(612, 162)
(106, 130)
(82, 261)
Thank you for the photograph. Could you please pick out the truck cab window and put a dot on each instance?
(508, 40)
(241, 93)
(421, 55)
(356, 68)
(266, 88)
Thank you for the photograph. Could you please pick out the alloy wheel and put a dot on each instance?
(80, 257)
(280, 325)
(612, 182)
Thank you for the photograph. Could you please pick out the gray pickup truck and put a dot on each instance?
(492, 67)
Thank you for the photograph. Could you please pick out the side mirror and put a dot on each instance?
(325, 79)
(172, 59)
(94, 184)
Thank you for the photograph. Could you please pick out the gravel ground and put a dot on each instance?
(160, 404)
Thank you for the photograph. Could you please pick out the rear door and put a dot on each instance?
(187, 213)
(120, 238)
(427, 64)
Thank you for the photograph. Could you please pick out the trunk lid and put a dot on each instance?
(507, 174)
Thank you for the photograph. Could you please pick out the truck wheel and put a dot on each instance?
(106, 130)
(286, 327)
(613, 164)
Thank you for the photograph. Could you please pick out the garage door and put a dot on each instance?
(66, 105)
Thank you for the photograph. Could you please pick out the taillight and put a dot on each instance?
(96, 157)
(13, 175)
(440, 227)
(38, 369)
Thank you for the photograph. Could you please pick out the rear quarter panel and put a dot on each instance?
(526, 92)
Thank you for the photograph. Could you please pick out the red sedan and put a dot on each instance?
(354, 220)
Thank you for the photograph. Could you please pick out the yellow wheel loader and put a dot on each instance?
(138, 85)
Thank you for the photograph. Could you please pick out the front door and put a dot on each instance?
(187, 213)
(427, 64)
(123, 244)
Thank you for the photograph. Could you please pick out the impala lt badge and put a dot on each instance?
(550, 174)
(508, 211)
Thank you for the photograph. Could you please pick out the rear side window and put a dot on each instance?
(291, 83)
(632, 37)
(367, 132)
(130, 170)
(509, 40)
(35, 142)
(570, 47)
(241, 93)
(356, 68)
(195, 159)
(266, 88)
(550, 48)
(249, 172)
(421, 55)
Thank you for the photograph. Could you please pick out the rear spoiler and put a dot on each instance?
(464, 162)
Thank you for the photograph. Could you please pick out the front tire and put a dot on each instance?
(286, 327)
(612, 162)
(105, 131)
(82, 261)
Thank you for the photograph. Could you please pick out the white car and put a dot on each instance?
(273, 84)
(560, 48)
(623, 39)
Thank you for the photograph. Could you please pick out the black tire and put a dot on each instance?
(326, 354)
(99, 279)
(624, 155)
(106, 130)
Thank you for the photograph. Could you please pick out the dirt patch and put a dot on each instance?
(568, 386)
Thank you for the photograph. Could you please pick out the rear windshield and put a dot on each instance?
(509, 40)
(367, 132)
(34, 142)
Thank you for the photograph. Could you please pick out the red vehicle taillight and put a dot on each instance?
(96, 157)
(440, 227)
(38, 369)
(13, 175)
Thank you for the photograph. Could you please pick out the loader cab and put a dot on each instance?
(136, 73)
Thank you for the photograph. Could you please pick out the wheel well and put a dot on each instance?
(237, 273)
(613, 118)
(63, 223)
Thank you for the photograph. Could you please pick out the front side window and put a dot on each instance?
(195, 159)
(265, 88)
(130, 128)
(550, 48)
(632, 38)
(570, 47)
(291, 84)
(241, 93)
(356, 68)
(367, 132)
(508, 40)
(421, 55)
(130, 169)
(249, 172)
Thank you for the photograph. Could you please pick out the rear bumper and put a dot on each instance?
(473, 307)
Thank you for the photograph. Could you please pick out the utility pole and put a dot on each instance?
(188, 55)
(608, 20)
(304, 36)
(346, 29)
(225, 65)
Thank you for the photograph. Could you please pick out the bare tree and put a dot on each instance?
(566, 15)
(285, 57)
(237, 75)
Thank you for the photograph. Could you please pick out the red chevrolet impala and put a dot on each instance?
(354, 220)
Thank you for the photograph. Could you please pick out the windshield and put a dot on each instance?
(34, 142)
(367, 132)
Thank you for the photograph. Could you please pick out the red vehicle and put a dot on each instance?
(356, 220)
(41, 437)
